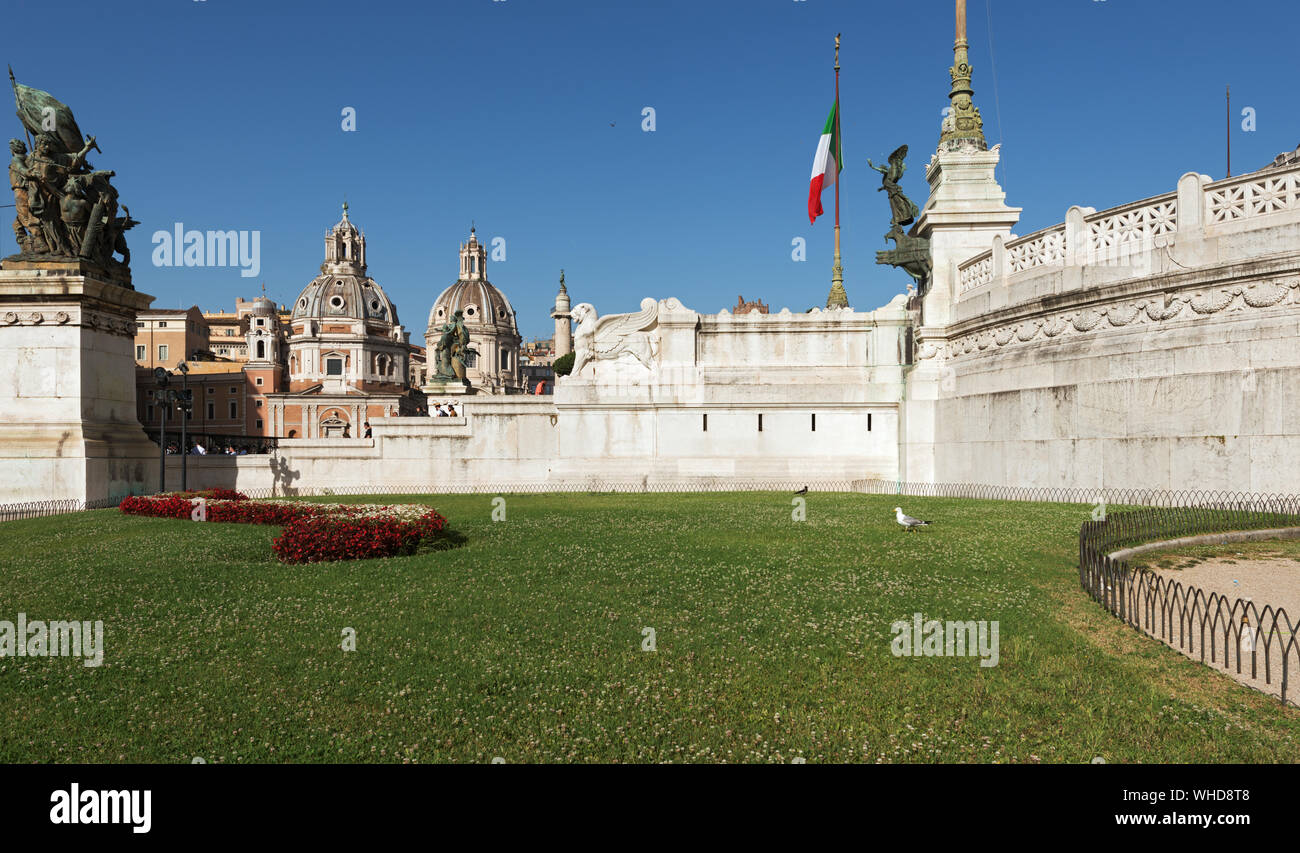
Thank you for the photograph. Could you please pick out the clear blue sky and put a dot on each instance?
(226, 114)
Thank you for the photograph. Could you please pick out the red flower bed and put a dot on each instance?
(326, 538)
(312, 533)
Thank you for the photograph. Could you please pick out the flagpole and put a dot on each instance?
(838, 298)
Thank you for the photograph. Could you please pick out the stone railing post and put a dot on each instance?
(999, 262)
(1076, 246)
(1190, 244)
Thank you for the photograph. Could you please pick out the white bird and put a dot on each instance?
(907, 521)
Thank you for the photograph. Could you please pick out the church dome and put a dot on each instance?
(343, 291)
(344, 297)
(492, 362)
(480, 301)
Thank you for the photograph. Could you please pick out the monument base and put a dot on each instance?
(450, 388)
(71, 430)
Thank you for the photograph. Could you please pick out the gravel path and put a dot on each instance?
(1274, 582)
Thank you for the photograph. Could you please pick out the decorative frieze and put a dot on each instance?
(1146, 310)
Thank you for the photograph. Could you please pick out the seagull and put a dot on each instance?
(907, 521)
(802, 491)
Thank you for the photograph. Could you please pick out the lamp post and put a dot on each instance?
(185, 405)
(160, 398)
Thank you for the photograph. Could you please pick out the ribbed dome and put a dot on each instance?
(481, 302)
(330, 297)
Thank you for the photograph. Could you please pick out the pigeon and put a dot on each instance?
(802, 491)
(907, 521)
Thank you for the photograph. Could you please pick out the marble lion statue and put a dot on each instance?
(614, 335)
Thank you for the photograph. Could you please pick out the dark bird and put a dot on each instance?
(802, 491)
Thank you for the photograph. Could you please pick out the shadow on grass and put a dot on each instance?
(446, 540)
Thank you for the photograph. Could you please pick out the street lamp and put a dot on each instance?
(160, 398)
(185, 404)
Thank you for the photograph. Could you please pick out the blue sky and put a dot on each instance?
(226, 114)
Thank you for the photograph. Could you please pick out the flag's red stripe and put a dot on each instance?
(815, 198)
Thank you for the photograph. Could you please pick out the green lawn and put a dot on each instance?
(525, 643)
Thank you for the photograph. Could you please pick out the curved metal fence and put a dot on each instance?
(1255, 643)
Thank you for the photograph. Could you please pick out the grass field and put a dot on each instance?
(525, 643)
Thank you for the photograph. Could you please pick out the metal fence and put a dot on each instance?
(38, 509)
(1256, 643)
(601, 485)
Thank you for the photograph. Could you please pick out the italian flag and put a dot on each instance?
(826, 168)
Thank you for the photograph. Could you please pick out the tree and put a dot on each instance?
(563, 365)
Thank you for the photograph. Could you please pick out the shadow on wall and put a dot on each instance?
(282, 478)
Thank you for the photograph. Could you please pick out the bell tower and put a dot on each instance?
(473, 259)
(345, 248)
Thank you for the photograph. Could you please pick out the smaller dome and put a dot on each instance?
(263, 306)
(481, 303)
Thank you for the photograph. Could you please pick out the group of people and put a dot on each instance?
(365, 431)
(445, 410)
(229, 450)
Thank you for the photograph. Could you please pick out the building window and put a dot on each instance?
(814, 423)
(760, 423)
(333, 367)
(212, 411)
(261, 350)
(261, 322)
(868, 421)
(139, 352)
(471, 360)
(139, 325)
(259, 404)
(234, 389)
(259, 380)
(234, 410)
(706, 423)
(230, 333)
(162, 352)
(162, 324)
(212, 389)
(259, 423)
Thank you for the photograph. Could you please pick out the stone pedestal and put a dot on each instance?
(452, 388)
(965, 211)
(71, 430)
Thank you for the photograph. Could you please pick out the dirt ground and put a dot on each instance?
(1268, 580)
(1255, 574)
